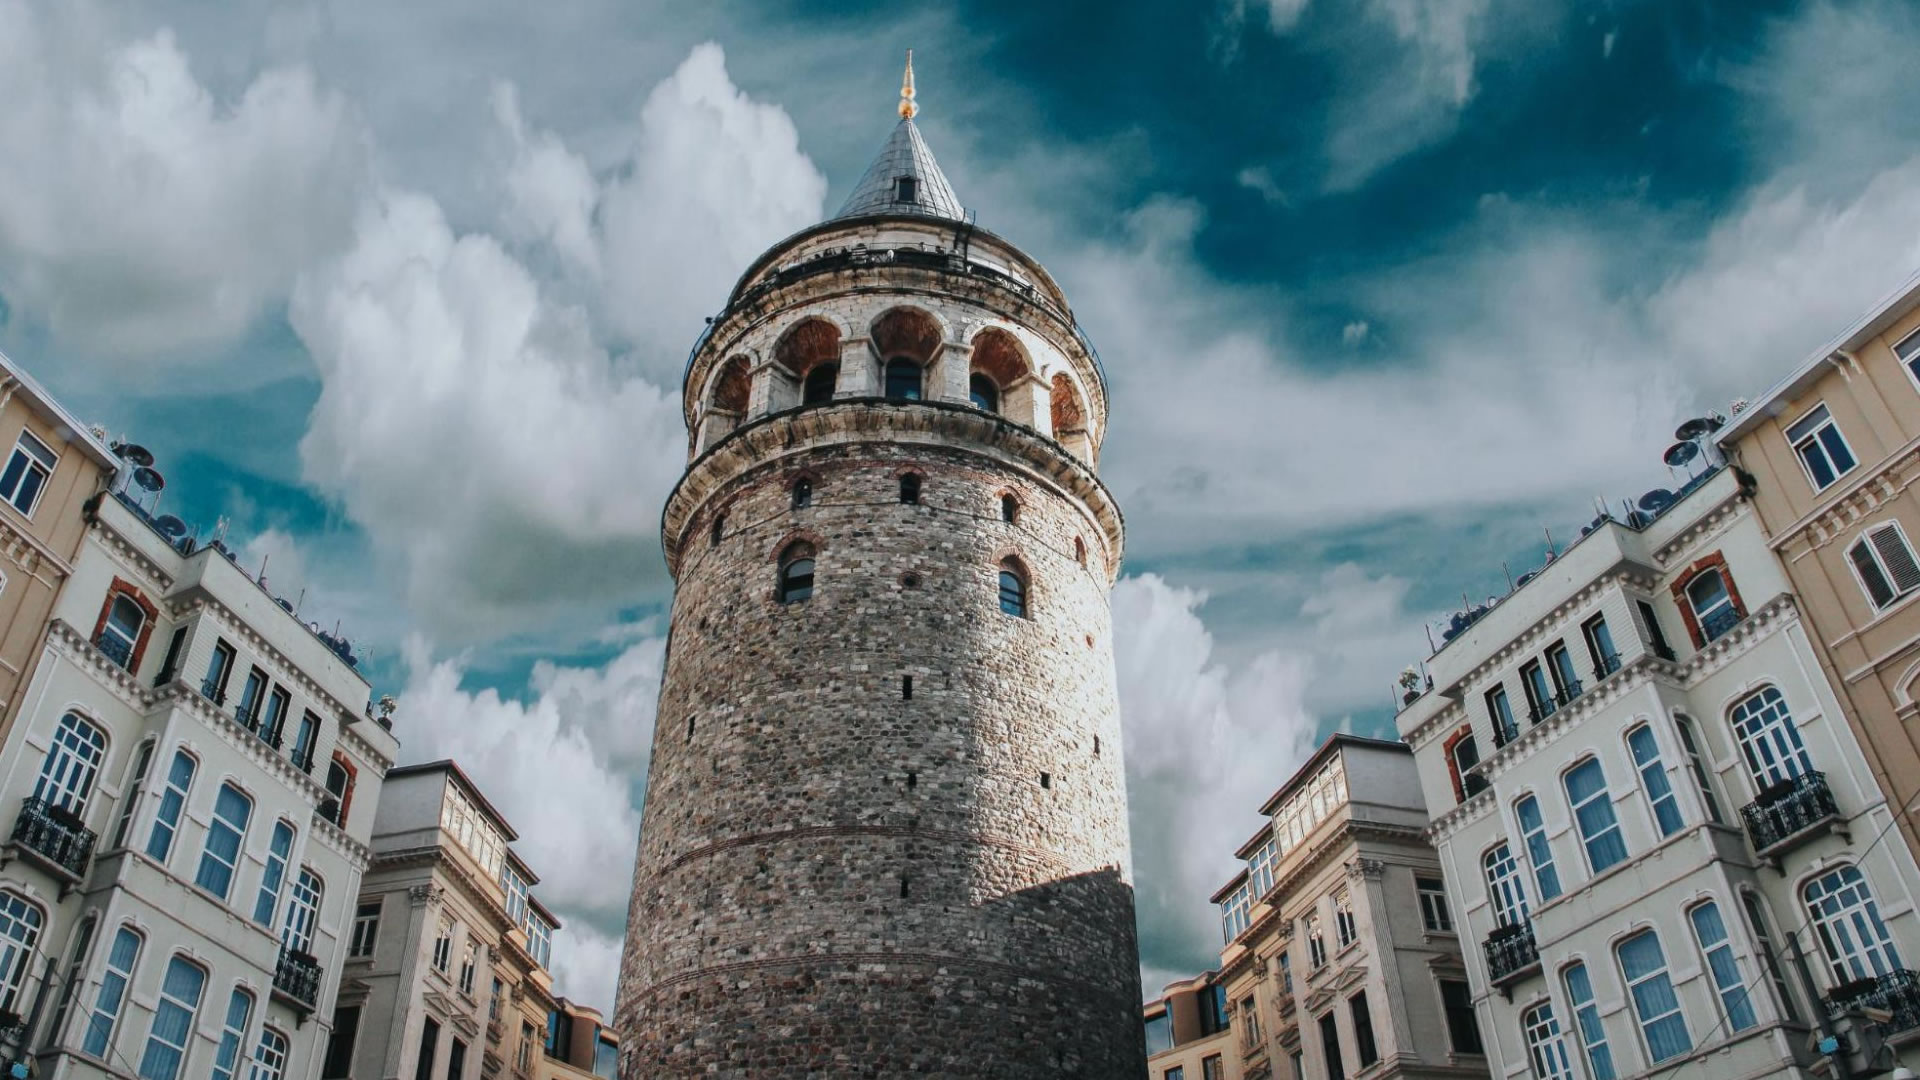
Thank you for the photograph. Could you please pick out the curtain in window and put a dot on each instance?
(1653, 997)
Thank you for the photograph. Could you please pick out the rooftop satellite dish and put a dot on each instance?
(1697, 427)
(133, 453)
(170, 527)
(146, 478)
(1681, 453)
(1656, 500)
(1526, 577)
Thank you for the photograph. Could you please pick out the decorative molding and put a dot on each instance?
(1366, 869)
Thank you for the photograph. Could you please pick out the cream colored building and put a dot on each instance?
(1342, 957)
(447, 973)
(1834, 452)
(580, 1045)
(1188, 1036)
(1660, 838)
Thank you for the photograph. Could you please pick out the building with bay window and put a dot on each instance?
(1341, 953)
(1188, 1037)
(447, 974)
(1661, 842)
(186, 797)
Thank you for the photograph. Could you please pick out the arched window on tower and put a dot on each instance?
(1009, 509)
(910, 488)
(817, 389)
(796, 573)
(903, 379)
(1013, 589)
(983, 393)
(803, 493)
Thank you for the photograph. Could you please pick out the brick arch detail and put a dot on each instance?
(122, 587)
(1712, 561)
(353, 780)
(1453, 767)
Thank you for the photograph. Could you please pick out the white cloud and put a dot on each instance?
(1260, 179)
(1354, 332)
(141, 214)
(1205, 744)
(551, 192)
(586, 965)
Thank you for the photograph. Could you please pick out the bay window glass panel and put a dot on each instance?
(173, 1017)
(1710, 931)
(1533, 831)
(1653, 780)
(1593, 812)
(1654, 1002)
(1586, 1019)
(279, 850)
(112, 994)
(166, 821)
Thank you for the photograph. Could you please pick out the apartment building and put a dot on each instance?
(1341, 957)
(1188, 1036)
(580, 1045)
(53, 466)
(1834, 452)
(187, 796)
(447, 975)
(1661, 842)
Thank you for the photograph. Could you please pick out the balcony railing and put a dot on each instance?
(117, 650)
(1609, 663)
(1511, 953)
(1540, 711)
(1717, 622)
(297, 979)
(13, 1028)
(54, 835)
(1504, 733)
(1896, 992)
(330, 809)
(1566, 694)
(211, 690)
(1790, 812)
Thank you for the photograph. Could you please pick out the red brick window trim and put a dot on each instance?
(1453, 766)
(346, 793)
(123, 587)
(1681, 600)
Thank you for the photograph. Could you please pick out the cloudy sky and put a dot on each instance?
(1384, 288)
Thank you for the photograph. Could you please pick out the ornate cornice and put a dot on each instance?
(129, 553)
(73, 645)
(450, 867)
(27, 551)
(199, 599)
(1837, 519)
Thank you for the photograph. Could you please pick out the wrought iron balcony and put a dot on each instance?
(1716, 623)
(1504, 733)
(1663, 650)
(117, 650)
(296, 979)
(1609, 663)
(1511, 954)
(54, 836)
(1896, 992)
(1540, 711)
(13, 1028)
(330, 809)
(1566, 694)
(1790, 813)
(211, 690)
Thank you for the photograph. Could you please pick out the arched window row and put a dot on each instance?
(794, 580)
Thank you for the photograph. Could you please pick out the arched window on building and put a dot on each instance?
(1013, 589)
(1852, 934)
(121, 630)
(67, 774)
(903, 379)
(796, 573)
(20, 924)
(803, 493)
(983, 393)
(1009, 509)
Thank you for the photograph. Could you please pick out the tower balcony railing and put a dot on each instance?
(1789, 814)
(296, 979)
(1896, 993)
(1512, 954)
(52, 836)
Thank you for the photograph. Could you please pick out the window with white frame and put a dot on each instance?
(1504, 887)
(1344, 930)
(1662, 1025)
(225, 832)
(1466, 757)
(1712, 602)
(1653, 780)
(443, 946)
(1697, 764)
(112, 994)
(72, 763)
(469, 965)
(1316, 942)
(274, 877)
(120, 634)
(1885, 564)
(540, 938)
(303, 912)
(1852, 935)
(233, 1034)
(1235, 913)
(130, 799)
(166, 821)
(1710, 932)
(1908, 350)
(1261, 867)
(173, 1017)
(27, 472)
(1757, 923)
(366, 928)
(1592, 807)
(1433, 905)
(1545, 1049)
(219, 668)
(1822, 450)
(514, 884)
(20, 924)
(1586, 1021)
(270, 1058)
(1533, 833)
(1769, 739)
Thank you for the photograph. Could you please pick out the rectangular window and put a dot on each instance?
(1466, 756)
(113, 993)
(130, 802)
(303, 741)
(1586, 1020)
(171, 663)
(366, 928)
(1908, 350)
(27, 472)
(1299, 1060)
(1763, 940)
(524, 1056)
(456, 1059)
(515, 886)
(1260, 868)
(1885, 564)
(1711, 932)
(1286, 973)
(1363, 1029)
(1213, 1010)
(1593, 812)
(1566, 681)
(1463, 1027)
(273, 723)
(1697, 765)
(429, 1047)
(1713, 608)
(233, 1034)
(1316, 945)
(225, 832)
(247, 713)
(1653, 779)
(539, 939)
(443, 947)
(1211, 1068)
(279, 849)
(166, 822)
(1606, 659)
(1330, 1046)
(346, 1028)
(1235, 914)
(1661, 1022)
(214, 686)
(1655, 636)
(1500, 712)
(1822, 450)
(173, 1017)
(1533, 678)
(1433, 905)
(1250, 1022)
(469, 964)
(1344, 930)
(1175, 1073)
(1533, 832)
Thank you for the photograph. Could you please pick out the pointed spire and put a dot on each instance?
(904, 178)
(908, 110)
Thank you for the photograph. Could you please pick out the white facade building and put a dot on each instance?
(188, 798)
(1662, 844)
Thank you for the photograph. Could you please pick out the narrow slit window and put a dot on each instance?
(796, 573)
(803, 493)
(910, 489)
(1009, 509)
(1046, 780)
(1013, 590)
(906, 688)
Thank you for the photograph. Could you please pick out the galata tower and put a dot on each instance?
(885, 831)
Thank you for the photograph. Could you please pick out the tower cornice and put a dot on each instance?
(849, 421)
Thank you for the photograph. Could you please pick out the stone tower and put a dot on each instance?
(886, 825)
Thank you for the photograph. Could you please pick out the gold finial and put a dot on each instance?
(908, 110)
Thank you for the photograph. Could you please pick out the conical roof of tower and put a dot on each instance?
(904, 178)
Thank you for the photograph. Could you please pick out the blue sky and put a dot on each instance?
(1384, 288)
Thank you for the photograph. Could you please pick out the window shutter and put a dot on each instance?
(1879, 591)
(1897, 557)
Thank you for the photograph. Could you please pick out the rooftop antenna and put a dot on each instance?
(302, 599)
(261, 580)
(908, 109)
(1509, 573)
(1428, 627)
(1552, 552)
